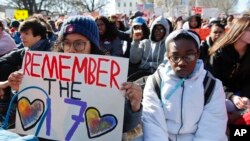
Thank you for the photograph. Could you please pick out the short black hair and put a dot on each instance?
(37, 27)
(219, 25)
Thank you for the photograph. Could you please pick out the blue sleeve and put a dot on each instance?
(131, 119)
(116, 49)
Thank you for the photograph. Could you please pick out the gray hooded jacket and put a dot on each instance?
(149, 52)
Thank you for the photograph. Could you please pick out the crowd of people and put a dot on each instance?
(179, 108)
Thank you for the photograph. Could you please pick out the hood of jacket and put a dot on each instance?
(159, 21)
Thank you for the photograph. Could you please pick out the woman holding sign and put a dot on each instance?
(80, 34)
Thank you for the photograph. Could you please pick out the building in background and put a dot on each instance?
(125, 6)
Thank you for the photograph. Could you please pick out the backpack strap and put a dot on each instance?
(156, 83)
(208, 83)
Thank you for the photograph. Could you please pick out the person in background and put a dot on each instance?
(7, 44)
(178, 23)
(125, 21)
(110, 43)
(53, 25)
(80, 34)
(181, 113)
(149, 53)
(230, 58)
(217, 30)
(15, 34)
(120, 26)
(229, 21)
(139, 32)
(34, 37)
(125, 36)
(193, 22)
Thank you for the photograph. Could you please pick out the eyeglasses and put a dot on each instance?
(159, 30)
(187, 58)
(78, 45)
(218, 32)
(137, 27)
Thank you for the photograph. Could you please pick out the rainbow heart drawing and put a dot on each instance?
(29, 112)
(99, 125)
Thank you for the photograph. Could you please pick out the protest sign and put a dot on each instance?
(86, 100)
(210, 13)
(203, 32)
(182, 10)
(21, 14)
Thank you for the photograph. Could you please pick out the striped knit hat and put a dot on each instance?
(83, 25)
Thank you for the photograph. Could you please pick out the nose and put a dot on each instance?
(72, 49)
(182, 62)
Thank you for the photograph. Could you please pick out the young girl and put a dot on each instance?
(80, 34)
(181, 113)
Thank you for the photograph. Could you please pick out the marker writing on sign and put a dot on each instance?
(88, 67)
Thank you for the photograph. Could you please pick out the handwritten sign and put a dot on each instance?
(86, 100)
(203, 32)
(21, 14)
(210, 13)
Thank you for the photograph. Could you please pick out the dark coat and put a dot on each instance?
(233, 71)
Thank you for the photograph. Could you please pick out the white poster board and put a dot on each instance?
(182, 10)
(2, 15)
(9, 13)
(158, 11)
(208, 13)
(86, 100)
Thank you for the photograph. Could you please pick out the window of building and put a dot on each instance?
(130, 4)
(118, 4)
(124, 5)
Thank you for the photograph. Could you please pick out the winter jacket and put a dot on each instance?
(113, 48)
(131, 119)
(232, 71)
(184, 117)
(204, 55)
(16, 36)
(7, 44)
(149, 52)
(15, 58)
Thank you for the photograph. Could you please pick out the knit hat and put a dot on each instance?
(83, 25)
(175, 33)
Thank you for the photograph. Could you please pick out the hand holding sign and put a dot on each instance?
(86, 99)
(133, 94)
(15, 79)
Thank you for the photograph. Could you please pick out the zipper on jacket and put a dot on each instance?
(182, 85)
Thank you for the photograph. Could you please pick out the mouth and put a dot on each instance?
(182, 72)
